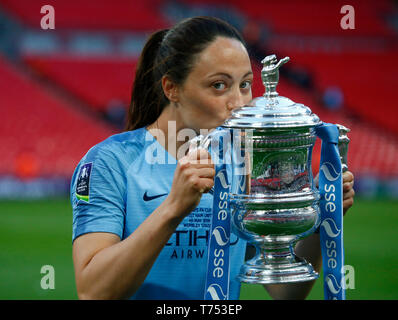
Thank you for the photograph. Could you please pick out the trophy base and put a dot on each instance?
(272, 269)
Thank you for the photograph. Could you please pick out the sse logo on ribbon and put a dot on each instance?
(329, 171)
(217, 280)
(330, 228)
(332, 284)
(216, 293)
(220, 236)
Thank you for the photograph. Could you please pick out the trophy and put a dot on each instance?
(273, 199)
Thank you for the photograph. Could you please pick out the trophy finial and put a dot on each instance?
(270, 74)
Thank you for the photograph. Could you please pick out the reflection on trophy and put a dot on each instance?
(273, 199)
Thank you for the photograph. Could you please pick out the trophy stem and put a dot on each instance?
(277, 253)
(276, 263)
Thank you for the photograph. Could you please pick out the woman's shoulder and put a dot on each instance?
(121, 146)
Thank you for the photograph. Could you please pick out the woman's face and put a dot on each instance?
(219, 82)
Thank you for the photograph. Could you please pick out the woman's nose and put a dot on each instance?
(236, 101)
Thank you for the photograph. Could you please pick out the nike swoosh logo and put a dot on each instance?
(149, 198)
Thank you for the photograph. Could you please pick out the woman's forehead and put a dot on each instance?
(223, 55)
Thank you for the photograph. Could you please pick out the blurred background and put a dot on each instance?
(63, 90)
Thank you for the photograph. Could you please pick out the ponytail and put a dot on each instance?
(147, 99)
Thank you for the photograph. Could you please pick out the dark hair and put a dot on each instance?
(170, 52)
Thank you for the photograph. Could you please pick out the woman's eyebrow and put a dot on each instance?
(248, 74)
(220, 74)
(228, 75)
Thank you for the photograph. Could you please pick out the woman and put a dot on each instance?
(133, 232)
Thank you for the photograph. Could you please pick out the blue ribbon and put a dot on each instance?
(331, 208)
(217, 280)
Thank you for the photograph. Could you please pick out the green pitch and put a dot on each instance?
(34, 234)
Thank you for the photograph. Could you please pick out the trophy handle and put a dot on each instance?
(211, 141)
(343, 145)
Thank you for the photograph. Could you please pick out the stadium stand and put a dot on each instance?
(344, 76)
(366, 80)
(372, 151)
(318, 17)
(310, 17)
(96, 81)
(91, 14)
(40, 135)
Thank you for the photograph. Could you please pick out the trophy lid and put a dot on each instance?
(272, 110)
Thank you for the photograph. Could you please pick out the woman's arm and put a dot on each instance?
(107, 268)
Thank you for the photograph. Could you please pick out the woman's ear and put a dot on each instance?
(170, 89)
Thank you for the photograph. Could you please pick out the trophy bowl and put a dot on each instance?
(278, 206)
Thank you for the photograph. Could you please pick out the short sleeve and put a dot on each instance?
(98, 194)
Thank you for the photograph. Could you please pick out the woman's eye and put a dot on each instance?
(219, 85)
(245, 84)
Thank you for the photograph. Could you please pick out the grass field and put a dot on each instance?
(38, 233)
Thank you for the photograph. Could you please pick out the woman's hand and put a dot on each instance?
(348, 189)
(194, 176)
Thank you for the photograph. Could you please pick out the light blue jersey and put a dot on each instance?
(115, 188)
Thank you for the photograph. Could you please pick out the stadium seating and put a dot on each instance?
(366, 80)
(317, 17)
(91, 14)
(44, 129)
(98, 81)
(371, 151)
(311, 17)
(40, 135)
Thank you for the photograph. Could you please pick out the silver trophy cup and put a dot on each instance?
(274, 201)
